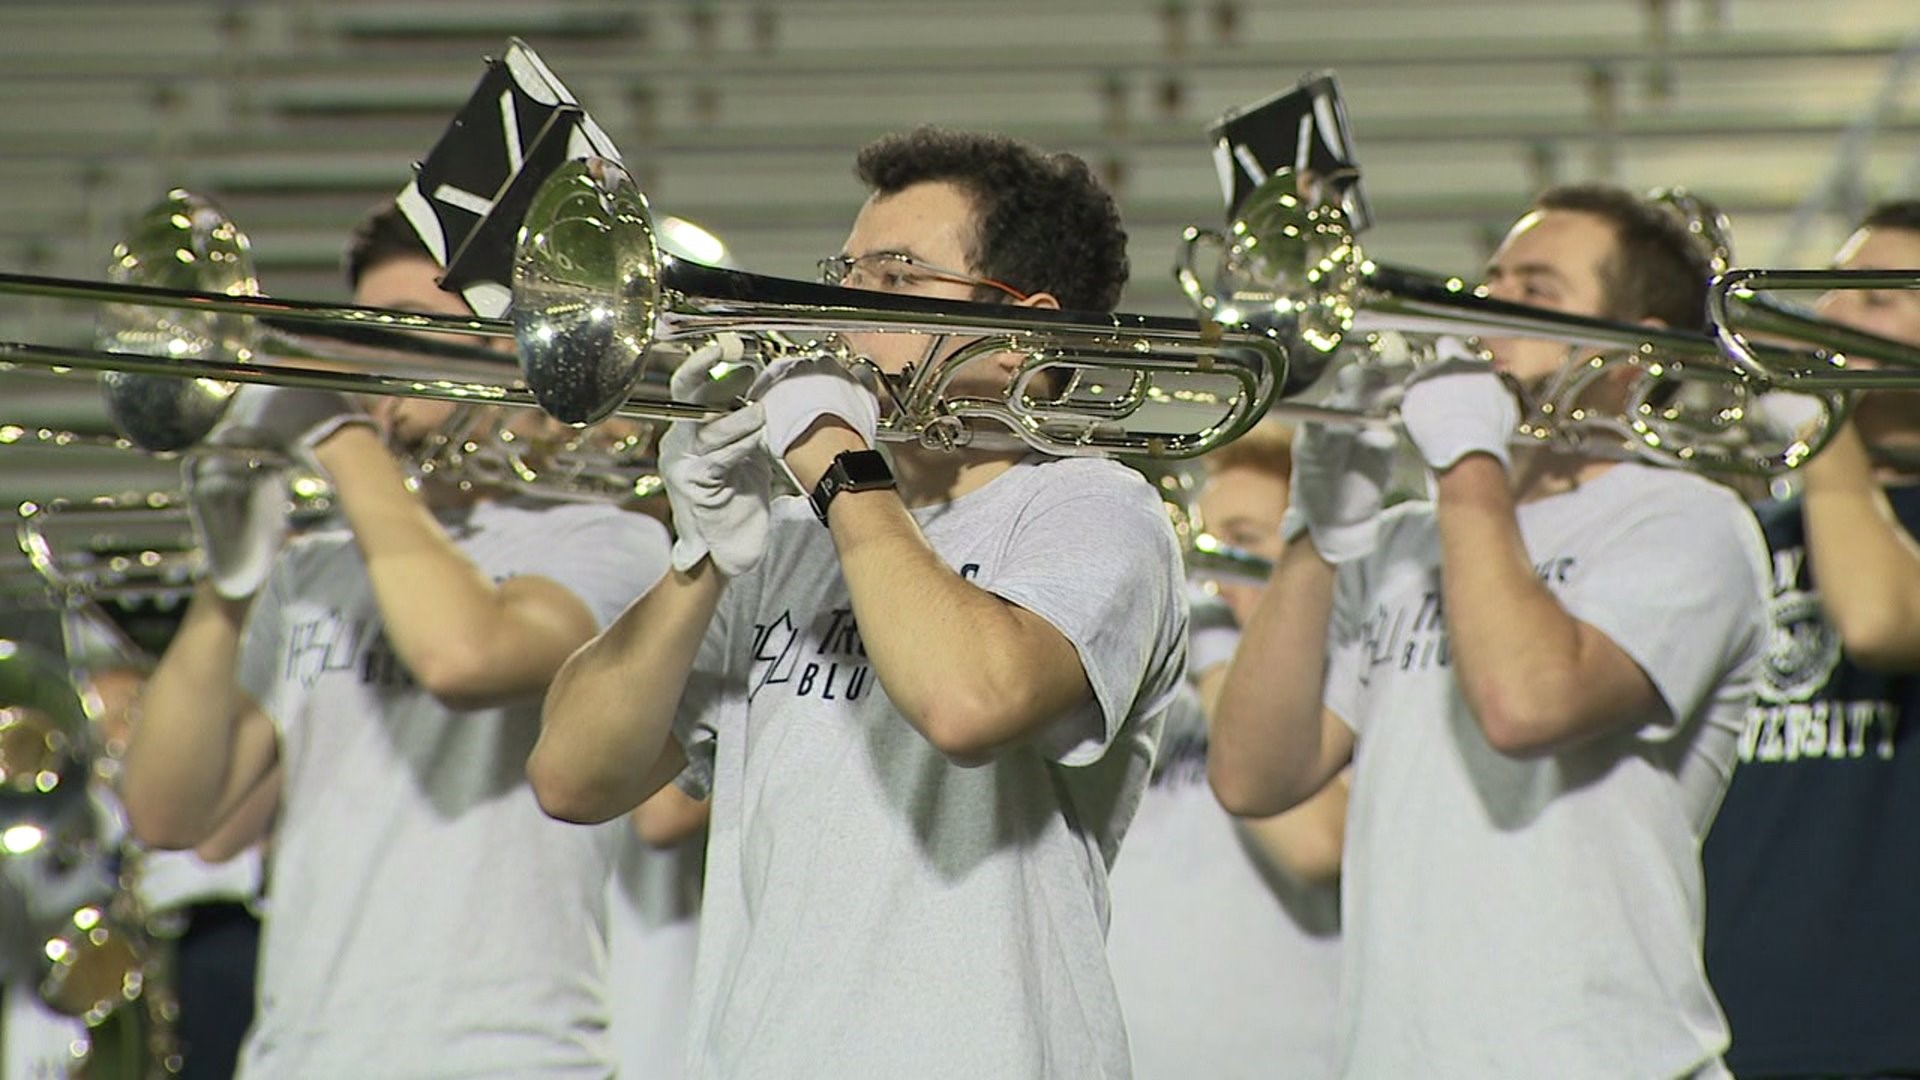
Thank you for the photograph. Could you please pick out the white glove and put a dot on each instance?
(1790, 413)
(239, 513)
(718, 477)
(1459, 406)
(286, 419)
(799, 390)
(1340, 473)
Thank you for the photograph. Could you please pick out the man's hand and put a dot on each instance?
(718, 479)
(800, 391)
(291, 421)
(1789, 413)
(1457, 407)
(1340, 474)
(239, 513)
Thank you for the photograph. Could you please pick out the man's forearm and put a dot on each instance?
(1306, 843)
(1529, 669)
(970, 671)
(448, 623)
(608, 716)
(1266, 750)
(181, 753)
(1865, 563)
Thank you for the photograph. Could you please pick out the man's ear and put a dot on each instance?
(1008, 362)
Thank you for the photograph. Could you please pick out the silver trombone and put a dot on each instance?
(1296, 270)
(593, 295)
(599, 316)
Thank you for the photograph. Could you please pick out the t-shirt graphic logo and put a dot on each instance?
(1404, 637)
(776, 645)
(838, 671)
(1802, 649)
(330, 642)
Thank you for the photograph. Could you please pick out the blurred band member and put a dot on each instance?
(1225, 936)
(377, 685)
(1538, 677)
(209, 905)
(1811, 864)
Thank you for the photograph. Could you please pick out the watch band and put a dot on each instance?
(852, 470)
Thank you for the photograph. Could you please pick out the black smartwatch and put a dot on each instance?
(852, 470)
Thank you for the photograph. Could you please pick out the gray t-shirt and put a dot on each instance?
(1227, 970)
(1543, 916)
(873, 909)
(425, 918)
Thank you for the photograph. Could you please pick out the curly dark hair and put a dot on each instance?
(1897, 214)
(382, 235)
(1658, 269)
(1044, 223)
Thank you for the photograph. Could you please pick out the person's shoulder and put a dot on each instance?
(1692, 512)
(1681, 489)
(1093, 476)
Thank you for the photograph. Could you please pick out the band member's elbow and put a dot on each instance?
(564, 795)
(1520, 732)
(1243, 794)
(163, 825)
(968, 729)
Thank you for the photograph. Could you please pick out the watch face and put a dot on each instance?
(865, 469)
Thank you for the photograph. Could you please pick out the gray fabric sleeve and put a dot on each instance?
(607, 558)
(1681, 589)
(1103, 570)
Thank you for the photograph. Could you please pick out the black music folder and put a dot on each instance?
(1304, 129)
(467, 199)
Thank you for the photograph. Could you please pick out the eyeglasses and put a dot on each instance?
(896, 271)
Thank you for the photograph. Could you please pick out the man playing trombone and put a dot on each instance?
(375, 684)
(1811, 863)
(924, 699)
(1538, 677)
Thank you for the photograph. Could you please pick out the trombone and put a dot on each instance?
(1297, 271)
(1737, 309)
(596, 301)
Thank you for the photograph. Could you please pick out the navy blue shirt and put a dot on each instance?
(1813, 864)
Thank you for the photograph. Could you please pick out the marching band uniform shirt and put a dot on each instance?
(1511, 916)
(873, 909)
(1225, 970)
(426, 918)
(1812, 866)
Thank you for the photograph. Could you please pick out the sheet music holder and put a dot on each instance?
(467, 199)
(1304, 129)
